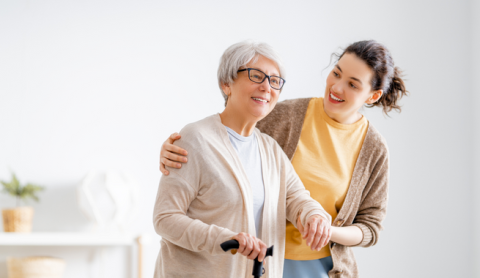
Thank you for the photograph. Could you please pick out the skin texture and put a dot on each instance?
(350, 81)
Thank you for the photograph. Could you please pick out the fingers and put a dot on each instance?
(162, 168)
(242, 242)
(263, 251)
(251, 247)
(174, 136)
(327, 233)
(311, 230)
(169, 163)
(170, 154)
(255, 249)
(319, 232)
(172, 148)
(319, 238)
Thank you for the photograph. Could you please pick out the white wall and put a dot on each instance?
(475, 91)
(99, 85)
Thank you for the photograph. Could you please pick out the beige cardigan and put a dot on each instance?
(209, 200)
(365, 205)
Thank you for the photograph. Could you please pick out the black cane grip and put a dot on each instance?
(258, 266)
(231, 244)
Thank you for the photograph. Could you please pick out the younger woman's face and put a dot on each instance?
(348, 87)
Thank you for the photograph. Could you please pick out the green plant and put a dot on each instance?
(20, 192)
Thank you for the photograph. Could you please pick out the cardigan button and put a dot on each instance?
(339, 222)
(338, 272)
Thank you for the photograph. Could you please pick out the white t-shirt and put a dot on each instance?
(249, 153)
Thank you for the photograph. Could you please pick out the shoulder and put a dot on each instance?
(201, 127)
(375, 143)
(199, 133)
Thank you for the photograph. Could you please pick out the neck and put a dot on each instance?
(346, 119)
(237, 122)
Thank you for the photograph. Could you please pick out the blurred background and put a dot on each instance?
(99, 85)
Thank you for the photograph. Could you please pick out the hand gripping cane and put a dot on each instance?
(258, 269)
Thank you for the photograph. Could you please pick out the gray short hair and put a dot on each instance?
(239, 55)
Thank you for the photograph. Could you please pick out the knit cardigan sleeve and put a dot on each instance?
(374, 175)
(175, 194)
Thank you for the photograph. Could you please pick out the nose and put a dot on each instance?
(265, 85)
(337, 88)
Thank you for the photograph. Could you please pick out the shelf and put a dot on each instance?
(65, 239)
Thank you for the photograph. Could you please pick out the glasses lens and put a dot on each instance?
(256, 76)
(276, 82)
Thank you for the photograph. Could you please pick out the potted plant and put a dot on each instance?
(19, 219)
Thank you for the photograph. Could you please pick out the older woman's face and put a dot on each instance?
(251, 99)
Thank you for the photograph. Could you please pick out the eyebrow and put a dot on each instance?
(354, 78)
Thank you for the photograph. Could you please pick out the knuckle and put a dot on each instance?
(166, 155)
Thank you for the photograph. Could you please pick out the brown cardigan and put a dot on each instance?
(366, 201)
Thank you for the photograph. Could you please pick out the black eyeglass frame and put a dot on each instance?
(266, 76)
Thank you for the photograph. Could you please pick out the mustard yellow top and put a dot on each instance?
(324, 160)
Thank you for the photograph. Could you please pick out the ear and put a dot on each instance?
(226, 89)
(374, 97)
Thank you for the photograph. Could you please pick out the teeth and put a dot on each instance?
(262, 100)
(335, 98)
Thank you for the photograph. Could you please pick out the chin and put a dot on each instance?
(260, 114)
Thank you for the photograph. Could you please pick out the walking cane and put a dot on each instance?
(258, 269)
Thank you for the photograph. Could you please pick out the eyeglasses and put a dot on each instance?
(258, 76)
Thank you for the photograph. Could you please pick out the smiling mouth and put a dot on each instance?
(259, 99)
(336, 98)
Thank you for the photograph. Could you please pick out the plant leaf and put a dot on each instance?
(30, 190)
(22, 192)
(11, 187)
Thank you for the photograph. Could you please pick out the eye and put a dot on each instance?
(335, 74)
(353, 85)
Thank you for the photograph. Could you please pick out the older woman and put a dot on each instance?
(239, 183)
